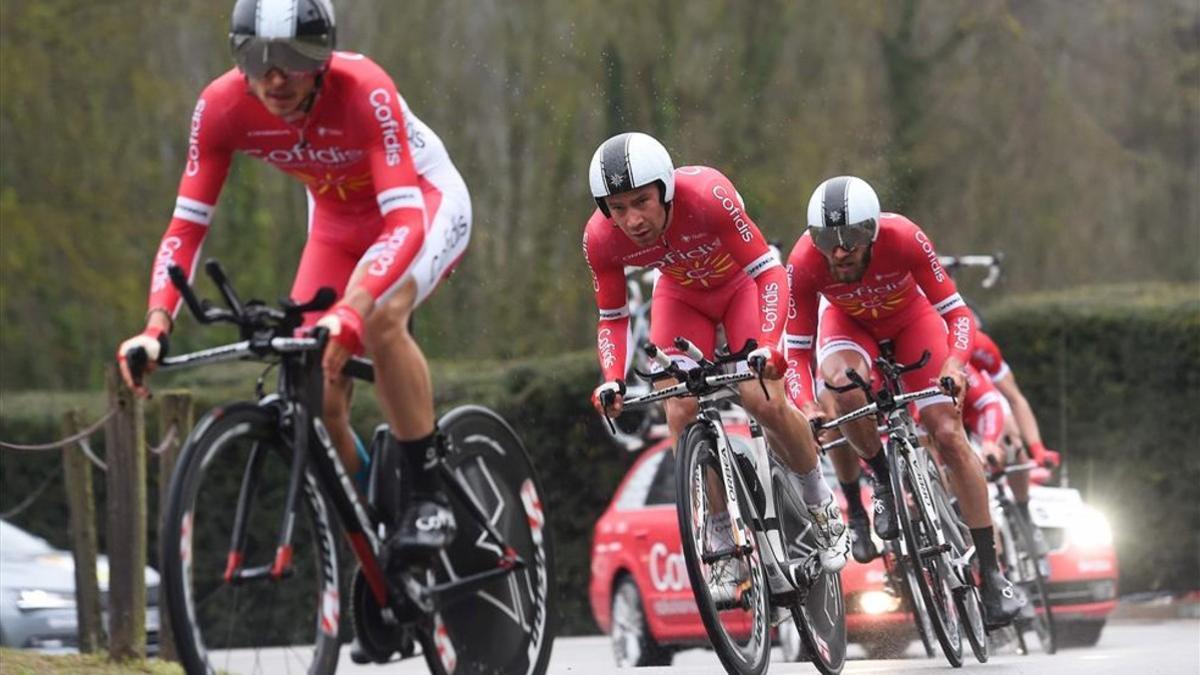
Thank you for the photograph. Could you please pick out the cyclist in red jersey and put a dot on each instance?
(881, 277)
(389, 218)
(717, 270)
(987, 358)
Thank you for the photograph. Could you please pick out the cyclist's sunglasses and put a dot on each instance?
(848, 237)
(258, 56)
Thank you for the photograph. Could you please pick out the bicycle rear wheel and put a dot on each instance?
(507, 625)
(917, 526)
(262, 625)
(821, 616)
(1028, 575)
(739, 629)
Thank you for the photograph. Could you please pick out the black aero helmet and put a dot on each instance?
(295, 36)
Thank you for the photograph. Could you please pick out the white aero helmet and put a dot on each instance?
(628, 161)
(843, 211)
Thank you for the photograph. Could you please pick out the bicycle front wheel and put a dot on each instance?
(918, 526)
(730, 587)
(252, 622)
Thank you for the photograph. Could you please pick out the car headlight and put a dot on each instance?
(35, 598)
(878, 602)
(1090, 529)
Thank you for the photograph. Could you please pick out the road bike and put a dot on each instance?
(773, 540)
(249, 553)
(934, 540)
(1024, 565)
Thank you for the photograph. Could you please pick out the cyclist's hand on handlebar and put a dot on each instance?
(768, 362)
(815, 415)
(953, 381)
(609, 398)
(345, 326)
(1044, 456)
(139, 356)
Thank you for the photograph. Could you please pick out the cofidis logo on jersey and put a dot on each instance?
(193, 153)
(389, 126)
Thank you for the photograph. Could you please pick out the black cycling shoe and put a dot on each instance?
(1002, 601)
(862, 546)
(884, 507)
(426, 527)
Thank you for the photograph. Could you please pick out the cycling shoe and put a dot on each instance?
(426, 527)
(862, 546)
(1002, 601)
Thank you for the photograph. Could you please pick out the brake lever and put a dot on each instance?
(757, 364)
(605, 402)
(947, 384)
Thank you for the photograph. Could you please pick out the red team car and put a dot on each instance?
(640, 595)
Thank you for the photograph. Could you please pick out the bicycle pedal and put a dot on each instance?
(719, 555)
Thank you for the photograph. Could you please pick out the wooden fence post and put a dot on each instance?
(81, 505)
(125, 453)
(175, 412)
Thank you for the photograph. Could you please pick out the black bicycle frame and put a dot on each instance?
(301, 391)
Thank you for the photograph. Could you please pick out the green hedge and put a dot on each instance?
(1113, 374)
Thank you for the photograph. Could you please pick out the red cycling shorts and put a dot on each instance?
(696, 313)
(339, 242)
(836, 332)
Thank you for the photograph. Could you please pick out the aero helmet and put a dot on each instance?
(843, 211)
(295, 36)
(629, 161)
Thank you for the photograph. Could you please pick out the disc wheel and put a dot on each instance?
(821, 616)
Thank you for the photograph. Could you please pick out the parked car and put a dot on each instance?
(37, 594)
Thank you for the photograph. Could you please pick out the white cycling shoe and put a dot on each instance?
(831, 533)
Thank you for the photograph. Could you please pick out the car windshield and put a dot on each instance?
(17, 543)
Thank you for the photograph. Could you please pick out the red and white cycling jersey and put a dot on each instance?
(987, 358)
(902, 283)
(709, 247)
(376, 177)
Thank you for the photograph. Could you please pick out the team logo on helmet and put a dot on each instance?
(616, 180)
(835, 216)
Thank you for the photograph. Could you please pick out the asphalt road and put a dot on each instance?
(1125, 647)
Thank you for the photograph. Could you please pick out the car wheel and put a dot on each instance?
(1079, 633)
(632, 643)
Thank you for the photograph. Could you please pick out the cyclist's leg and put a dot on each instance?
(944, 423)
(789, 433)
(843, 344)
(326, 262)
(403, 383)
